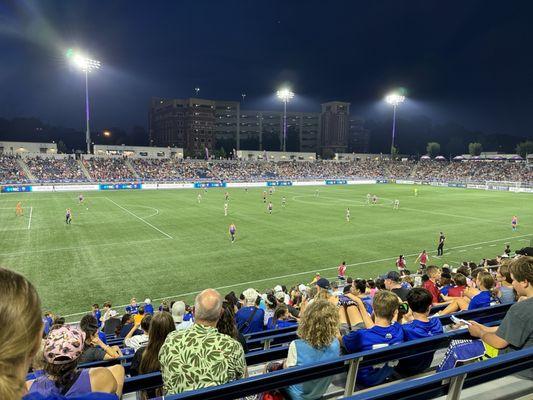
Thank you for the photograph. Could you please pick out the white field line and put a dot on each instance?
(302, 273)
(140, 219)
(31, 213)
(16, 253)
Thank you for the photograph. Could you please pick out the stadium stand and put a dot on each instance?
(55, 169)
(116, 169)
(10, 170)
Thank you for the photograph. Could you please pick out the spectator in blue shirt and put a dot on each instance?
(359, 287)
(317, 332)
(383, 332)
(281, 318)
(148, 308)
(421, 326)
(445, 283)
(133, 307)
(250, 318)
(479, 298)
(97, 314)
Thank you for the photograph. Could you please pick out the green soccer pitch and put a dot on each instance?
(164, 244)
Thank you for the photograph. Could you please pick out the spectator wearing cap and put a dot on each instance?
(135, 341)
(94, 349)
(282, 289)
(516, 330)
(393, 283)
(250, 318)
(315, 279)
(148, 307)
(62, 352)
(178, 311)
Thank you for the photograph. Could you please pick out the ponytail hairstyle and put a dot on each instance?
(20, 333)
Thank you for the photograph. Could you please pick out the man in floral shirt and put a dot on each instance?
(200, 356)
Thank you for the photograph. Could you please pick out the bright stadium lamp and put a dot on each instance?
(86, 65)
(285, 95)
(394, 99)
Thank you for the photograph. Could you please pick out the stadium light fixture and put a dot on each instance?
(394, 99)
(85, 64)
(285, 95)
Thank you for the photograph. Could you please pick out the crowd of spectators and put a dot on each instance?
(205, 345)
(49, 169)
(103, 169)
(10, 170)
(115, 169)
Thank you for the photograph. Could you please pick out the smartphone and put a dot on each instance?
(460, 321)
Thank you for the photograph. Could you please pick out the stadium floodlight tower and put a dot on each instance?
(285, 95)
(87, 65)
(394, 99)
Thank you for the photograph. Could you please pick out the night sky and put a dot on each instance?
(465, 61)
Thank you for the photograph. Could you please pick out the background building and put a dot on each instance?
(195, 124)
(359, 136)
(335, 126)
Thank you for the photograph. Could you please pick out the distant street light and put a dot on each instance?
(106, 133)
(197, 90)
(243, 96)
(87, 65)
(394, 99)
(285, 95)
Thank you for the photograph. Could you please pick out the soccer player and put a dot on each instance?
(283, 201)
(401, 264)
(264, 196)
(226, 196)
(68, 216)
(440, 247)
(347, 215)
(396, 205)
(199, 198)
(232, 231)
(368, 198)
(316, 193)
(416, 192)
(225, 209)
(341, 271)
(270, 207)
(18, 210)
(374, 199)
(270, 191)
(80, 199)
(424, 258)
(514, 223)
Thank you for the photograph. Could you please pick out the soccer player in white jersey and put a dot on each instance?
(374, 199)
(270, 207)
(225, 209)
(199, 198)
(396, 205)
(368, 198)
(316, 193)
(283, 201)
(347, 215)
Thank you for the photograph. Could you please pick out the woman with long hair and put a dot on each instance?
(318, 331)
(146, 358)
(20, 333)
(226, 325)
(61, 354)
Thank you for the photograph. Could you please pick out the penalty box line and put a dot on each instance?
(306, 273)
(139, 218)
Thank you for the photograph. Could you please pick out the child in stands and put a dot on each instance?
(474, 298)
(384, 332)
(420, 326)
